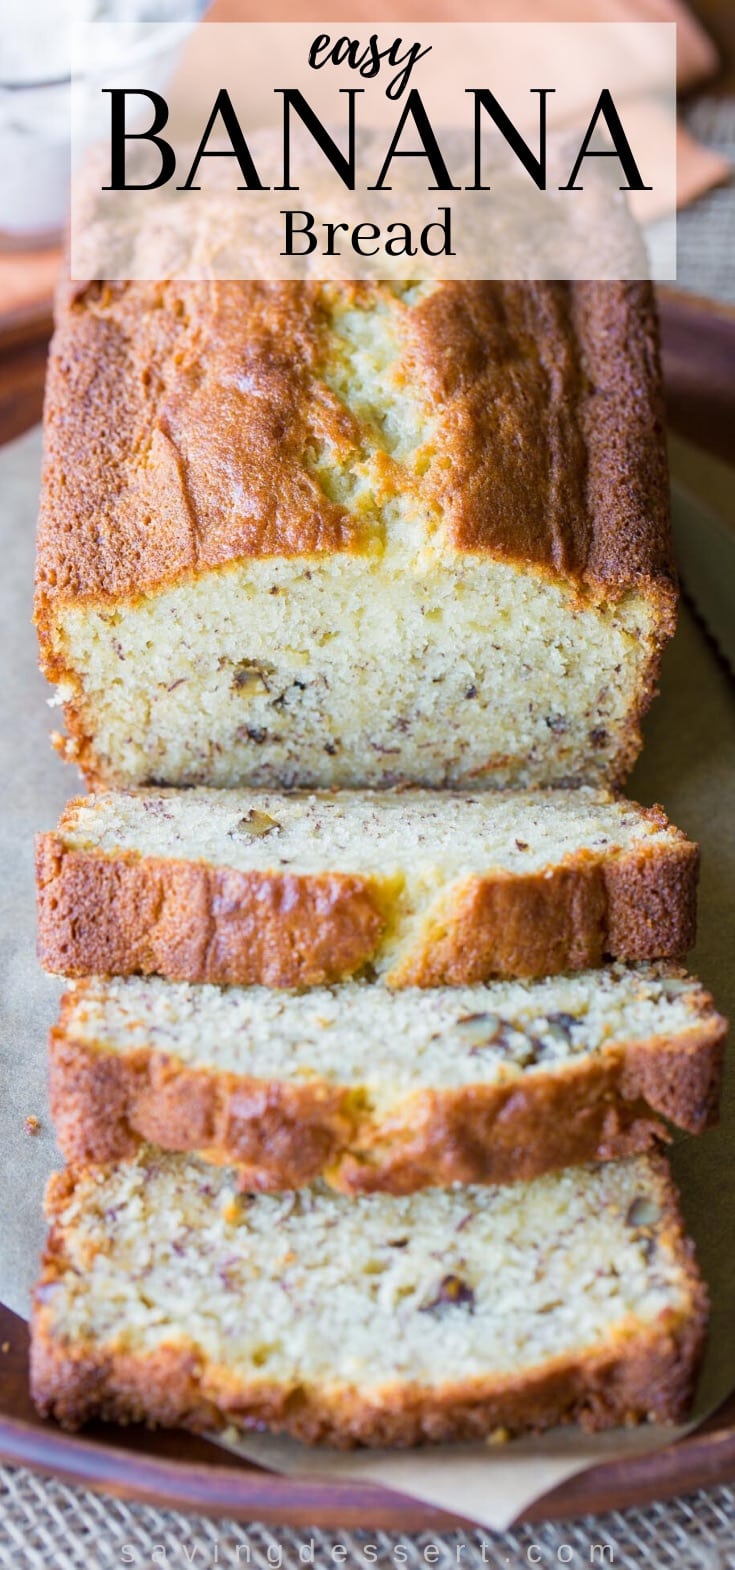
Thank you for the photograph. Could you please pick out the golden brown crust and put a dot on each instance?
(641, 1372)
(547, 398)
(642, 1377)
(588, 399)
(284, 1134)
(101, 1104)
(120, 914)
(178, 417)
(635, 906)
(191, 922)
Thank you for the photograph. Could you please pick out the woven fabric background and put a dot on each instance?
(705, 232)
(46, 1525)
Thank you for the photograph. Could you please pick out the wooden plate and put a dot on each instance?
(187, 1473)
(184, 1472)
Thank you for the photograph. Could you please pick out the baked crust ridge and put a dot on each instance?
(282, 1134)
(649, 1377)
(125, 915)
(164, 361)
(193, 922)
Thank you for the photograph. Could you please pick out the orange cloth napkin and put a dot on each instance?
(696, 54)
(26, 280)
(698, 168)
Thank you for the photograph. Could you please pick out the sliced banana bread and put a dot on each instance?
(354, 534)
(382, 1320)
(425, 887)
(381, 1090)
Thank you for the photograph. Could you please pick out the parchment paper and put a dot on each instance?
(688, 765)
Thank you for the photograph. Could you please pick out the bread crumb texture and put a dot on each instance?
(388, 1042)
(386, 1091)
(167, 1294)
(318, 535)
(424, 887)
(421, 835)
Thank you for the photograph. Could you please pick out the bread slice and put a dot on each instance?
(424, 887)
(167, 1297)
(316, 535)
(380, 1090)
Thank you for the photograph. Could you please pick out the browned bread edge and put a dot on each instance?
(283, 1134)
(599, 419)
(125, 914)
(641, 1373)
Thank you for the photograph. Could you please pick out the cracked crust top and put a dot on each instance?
(184, 424)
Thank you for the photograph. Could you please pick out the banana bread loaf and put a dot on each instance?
(167, 1297)
(354, 535)
(380, 1090)
(427, 887)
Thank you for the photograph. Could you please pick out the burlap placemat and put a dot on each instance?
(705, 232)
(45, 1525)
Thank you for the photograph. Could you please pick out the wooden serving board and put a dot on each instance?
(184, 1472)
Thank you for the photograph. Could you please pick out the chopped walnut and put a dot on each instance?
(483, 1032)
(453, 1293)
(561, 1025)
(255, 825)
(479, 1030)
(249, 677)
(642, 1213)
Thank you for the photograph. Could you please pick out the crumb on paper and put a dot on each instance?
(32, 1124)
(499, 1436)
